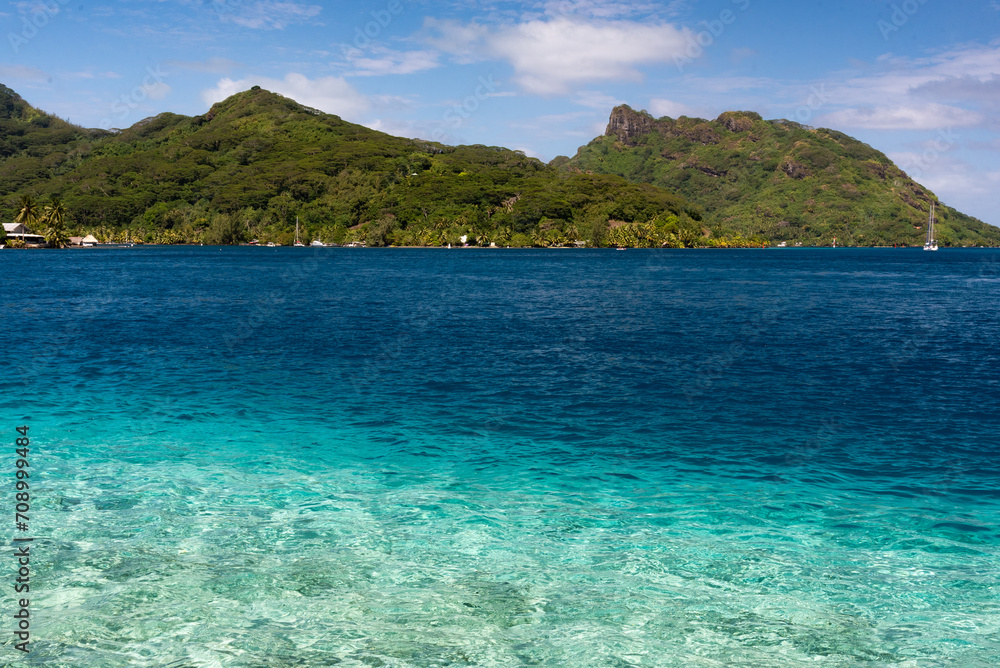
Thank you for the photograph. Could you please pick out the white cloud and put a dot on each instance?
(401, 128)
(908, 93)
(595, 100)
(531, 153)
(552, 57)
(88, 74)
(919, 164)
(23, 73)
(924, 117)
(980, 89)
(330, 94)
(266, 15)
(36, 6)
(957, 88)
(662, 107)
(946, 175)
(157, 91)
(381, 61)
(463, 42)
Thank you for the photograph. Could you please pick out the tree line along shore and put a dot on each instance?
(258, 166)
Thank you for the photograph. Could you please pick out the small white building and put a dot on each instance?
(20, 231)
(89, 240)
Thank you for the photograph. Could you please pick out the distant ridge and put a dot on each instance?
(779, 179)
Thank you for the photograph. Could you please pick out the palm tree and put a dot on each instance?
(29, 211)
(56, 237)
(55, 218)
(504, 234)
(573, 233)
(484, 235)
(647, 234)
(55, 212)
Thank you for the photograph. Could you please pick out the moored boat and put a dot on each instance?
(931, 243)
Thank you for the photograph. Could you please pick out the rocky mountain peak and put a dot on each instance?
(627, 123)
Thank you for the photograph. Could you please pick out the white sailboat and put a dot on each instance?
(297, 242)
(931, 243)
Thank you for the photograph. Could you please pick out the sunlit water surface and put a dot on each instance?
(319, 457)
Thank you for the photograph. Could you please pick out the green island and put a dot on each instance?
(257, 164)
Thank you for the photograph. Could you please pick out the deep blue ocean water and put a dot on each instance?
(423, 457)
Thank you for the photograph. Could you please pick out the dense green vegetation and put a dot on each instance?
(52, 217)
(257, 161)
(776, 179)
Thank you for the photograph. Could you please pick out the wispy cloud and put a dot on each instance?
(962, 88)
(662, 107)
(401, 128)
(381, 61)
(910, 93)
(952, 175)
(597, 100)
(923, 117)
(89, 74)
(35, 6)
(269, 15)
(23, 73)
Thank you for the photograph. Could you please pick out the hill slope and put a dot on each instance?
(778, 179)
(33, 143)
(257, 161)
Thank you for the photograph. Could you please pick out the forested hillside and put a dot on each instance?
(257, 161)
(777, 179)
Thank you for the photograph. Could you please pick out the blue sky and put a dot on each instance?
(916, 79)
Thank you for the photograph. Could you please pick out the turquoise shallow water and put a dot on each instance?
(298, 457)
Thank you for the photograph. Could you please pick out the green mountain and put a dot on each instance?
(257, 162)
(33, 142)
(777, 179)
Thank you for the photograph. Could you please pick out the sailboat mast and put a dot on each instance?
(930, 244)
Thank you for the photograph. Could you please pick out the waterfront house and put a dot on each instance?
(20, 231)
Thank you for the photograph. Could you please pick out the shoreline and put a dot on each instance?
(125, 246)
